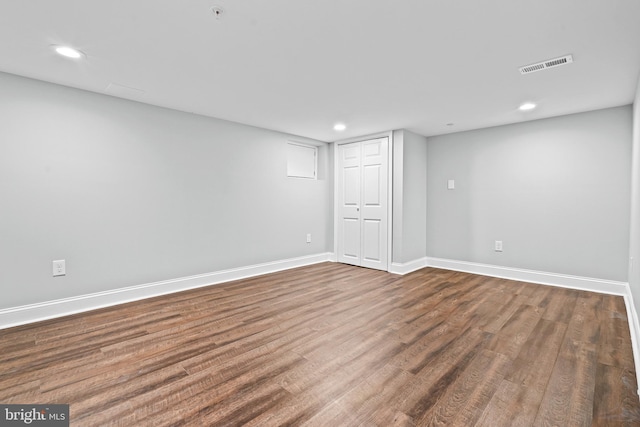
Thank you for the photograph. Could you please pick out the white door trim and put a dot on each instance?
(388, 135)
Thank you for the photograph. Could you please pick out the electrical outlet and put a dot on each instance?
(59, 268)
(498, 246)
(309, 238)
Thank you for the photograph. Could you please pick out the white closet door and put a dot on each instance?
(362, 203)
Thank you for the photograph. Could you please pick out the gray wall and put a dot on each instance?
(555, 191)
(634, 246)
(129, 194)
(409, 196)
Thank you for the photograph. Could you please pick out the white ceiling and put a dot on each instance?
(299, 66)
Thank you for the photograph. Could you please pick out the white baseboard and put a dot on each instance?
(51, 309)
(634, 330)
(544, 278)
(408, 267)
(532, 276)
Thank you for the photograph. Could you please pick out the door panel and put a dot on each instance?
(349, 196)
(352, 154)
(351, 186)
(372, 148)
(371, 186)
(351, 240)
(372, 237)
(374, 210)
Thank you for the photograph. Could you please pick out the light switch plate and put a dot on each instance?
(451, 184)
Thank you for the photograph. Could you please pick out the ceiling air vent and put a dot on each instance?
(549, 63)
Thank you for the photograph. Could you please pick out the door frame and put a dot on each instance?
(389, 135)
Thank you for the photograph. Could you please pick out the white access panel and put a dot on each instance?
(301, 161)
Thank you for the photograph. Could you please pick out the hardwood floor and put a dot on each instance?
(334, 345)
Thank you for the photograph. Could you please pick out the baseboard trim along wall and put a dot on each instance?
(16, 316)
(408, 267)
(541, 277)
(522, 275)
(634, 329)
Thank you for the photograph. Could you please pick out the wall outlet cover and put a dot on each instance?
(59, 268)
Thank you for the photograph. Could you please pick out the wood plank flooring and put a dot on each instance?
(335, 345)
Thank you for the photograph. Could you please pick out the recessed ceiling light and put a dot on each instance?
(68, 52)
(527, 106)
(339, 127)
